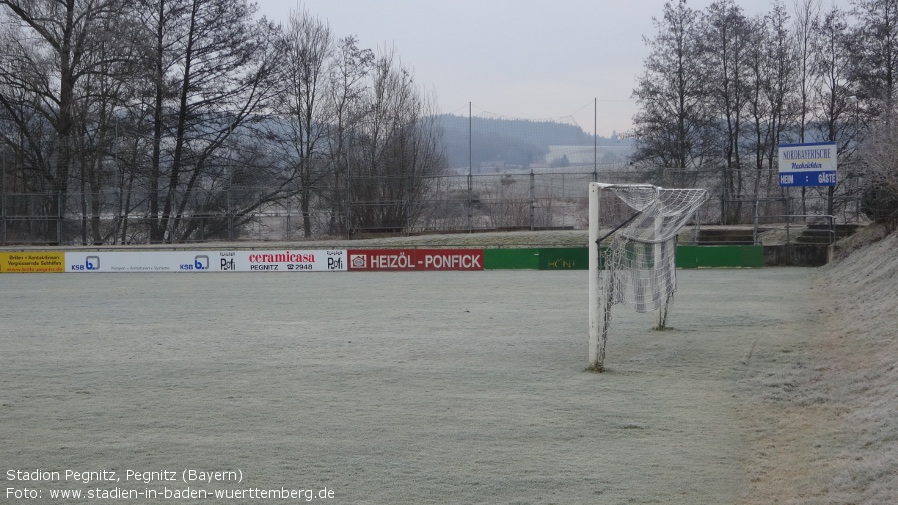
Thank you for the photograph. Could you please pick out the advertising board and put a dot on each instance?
(137, 261)
(32, 262)
(807, 164)
(282, 261)
(415, 259)
(205, 261)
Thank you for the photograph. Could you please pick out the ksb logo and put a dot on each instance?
(90, 263)
(199, 263)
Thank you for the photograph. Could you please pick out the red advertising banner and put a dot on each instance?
(415, 259)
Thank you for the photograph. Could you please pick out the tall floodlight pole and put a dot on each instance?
(595, 140)
(470, 169)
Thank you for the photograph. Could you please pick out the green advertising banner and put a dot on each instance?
(564, 258)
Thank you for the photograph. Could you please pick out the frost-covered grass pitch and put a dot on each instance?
(438, 387)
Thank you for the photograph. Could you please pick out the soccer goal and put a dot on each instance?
(632, 252)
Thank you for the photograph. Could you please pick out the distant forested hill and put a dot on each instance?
(510, 143)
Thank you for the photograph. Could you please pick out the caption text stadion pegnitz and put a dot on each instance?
(38, 484)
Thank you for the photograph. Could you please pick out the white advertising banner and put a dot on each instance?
(282, 261)
(205, 261)
(133, 261)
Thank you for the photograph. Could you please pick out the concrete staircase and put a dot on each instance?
(821, 233)
(726, 236)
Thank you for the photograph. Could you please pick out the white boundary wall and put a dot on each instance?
(281, 260)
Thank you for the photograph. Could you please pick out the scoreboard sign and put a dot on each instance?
(807, 164)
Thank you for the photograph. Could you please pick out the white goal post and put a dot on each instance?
(632, 252)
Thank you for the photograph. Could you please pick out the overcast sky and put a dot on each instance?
(532, 59)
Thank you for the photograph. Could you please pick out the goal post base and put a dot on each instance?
(595, 368)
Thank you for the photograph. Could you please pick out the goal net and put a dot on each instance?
(633, 239)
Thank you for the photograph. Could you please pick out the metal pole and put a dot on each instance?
(532, 200)
(3, 199)
(757, 217)
(230, 210)
(171, 217)
(117, 221)
(408, 205)
(349, 189)
(288, 232)
(60, 217)
(470, 169)
(595, 140)
(658, 259)
(830, 207)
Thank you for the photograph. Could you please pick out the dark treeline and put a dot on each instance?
(721, 90)
(159, 114)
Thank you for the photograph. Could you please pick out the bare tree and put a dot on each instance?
(399, 148)
(308, 47)
(771, 60)
(107, 93)
(759, 111)
(24, 131)
(835, 105)
(838, 108)
(673, 127)
(212, 74)
(728, 33)
(347, 90)
(779, 93)
(873, 45)
(880, 157)
(58, 46)
(806, 22)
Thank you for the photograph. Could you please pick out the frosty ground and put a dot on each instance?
(454, 387)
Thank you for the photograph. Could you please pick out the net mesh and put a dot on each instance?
(640, 263)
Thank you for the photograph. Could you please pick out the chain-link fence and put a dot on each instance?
(511, 200)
